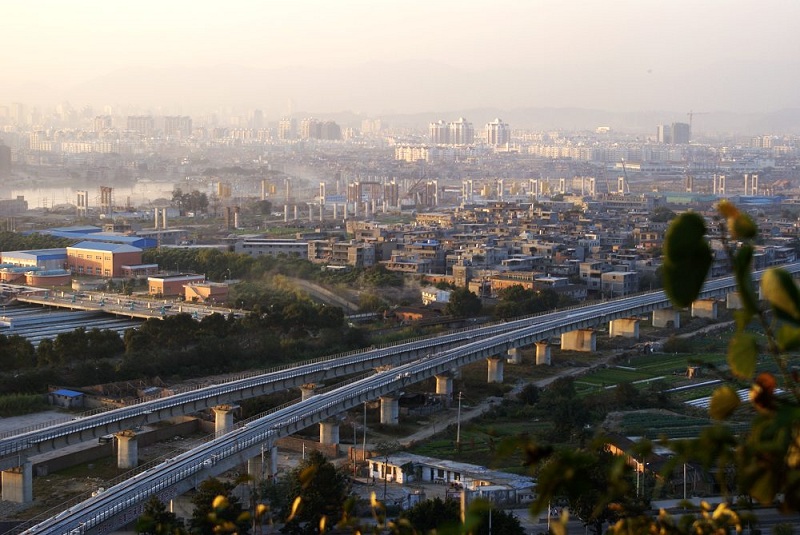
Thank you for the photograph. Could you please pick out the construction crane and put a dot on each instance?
(691, 115)
(626, 188)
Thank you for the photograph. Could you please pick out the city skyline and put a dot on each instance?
(410, 57)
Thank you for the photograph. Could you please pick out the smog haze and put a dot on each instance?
(403, 57)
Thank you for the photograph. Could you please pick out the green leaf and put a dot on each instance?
(742, 269)
(742, 227)
(687, 258)
(788, 338)
(742, 355)
(780, 290)
(724, 401)
(742, 318)
(763, 488)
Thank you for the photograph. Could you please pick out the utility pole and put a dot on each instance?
(458, 424)
(364, 444)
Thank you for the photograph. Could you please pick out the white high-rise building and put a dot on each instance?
(498, 133)
(461, 132)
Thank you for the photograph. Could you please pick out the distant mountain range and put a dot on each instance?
(399, 92)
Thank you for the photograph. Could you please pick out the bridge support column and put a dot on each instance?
(255, 468)
(704, 308)
(127, 449)
(543, 354)
(514, 355)
(495, 369)
(329, 433)
(223, 419)
(625, 327)
(733, 301)
(663, 317)
(273, 461)
(444, 388)
(307, 391)
(584, 340)
(390, 410)
(17, 484)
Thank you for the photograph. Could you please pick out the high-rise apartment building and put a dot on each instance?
(663, 134)
(287, 129)
(674, 134)
(681, 133)
(257, 122)
(142, 124)
(439, 133)
(178, 126)
(461, 132)
(498, 133)
(18, 113)
(101, 123)
(5, 160)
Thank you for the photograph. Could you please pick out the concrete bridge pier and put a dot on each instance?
(733, 301)
(625, 327)
(495, 369)
(263, 465)
(255, 468)
(223, 419)
(127, 449)
(273, 461)
(543, 354)
(390, 410)
(307, 391)
(663, 317)
(329, 433)
(17, 484)
(444, 387)
(705, 308)
(584, 340)
(514, 355)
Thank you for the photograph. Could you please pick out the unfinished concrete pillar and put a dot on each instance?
(584, 340)
(663, 317)
(329, 433)
(307, 391)
(625, 327)
(390, 410)
(127, 449)
(223, 419)
(733, 301)
(255, 468)
(514, 355)
(704, 308)
(273, 461)
(495, 369)
(17, 484)
(543, 354)
(444, 385)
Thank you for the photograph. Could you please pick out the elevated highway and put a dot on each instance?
(123, 502)
(51, 438)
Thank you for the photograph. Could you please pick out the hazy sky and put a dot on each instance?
(616, 54)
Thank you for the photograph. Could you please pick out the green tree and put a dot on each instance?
(493, 520)
(217, 511)
(322, 490)
(435, 514)
(463, 304)
(156, 520)
(662, 214)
